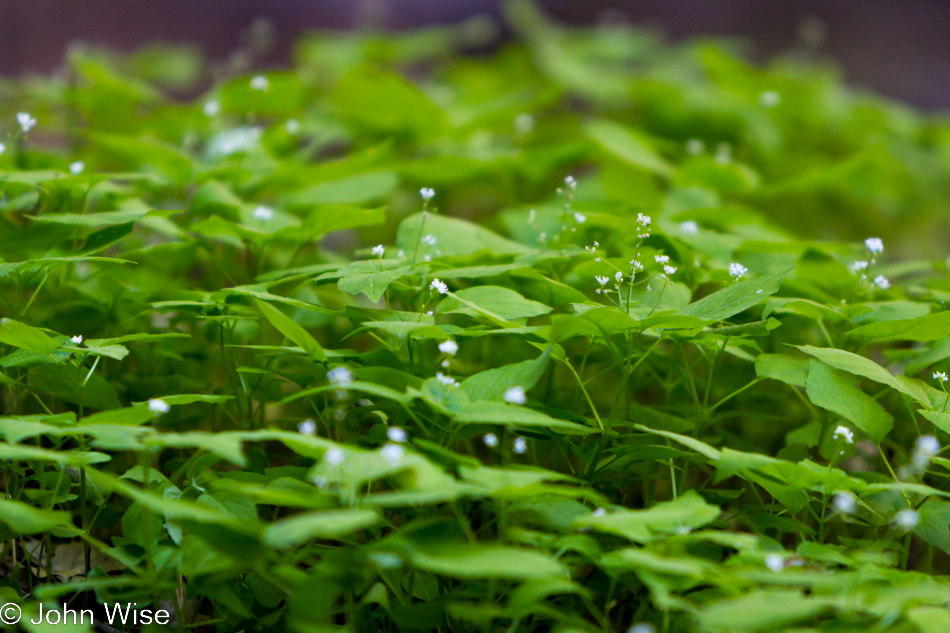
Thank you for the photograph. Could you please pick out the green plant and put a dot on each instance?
(610, 368)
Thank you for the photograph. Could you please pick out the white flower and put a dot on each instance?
(334, 456)
(449, 347)
(570, 182)
(448, 381)
(618, 276)
(689, 227)
(532, 216)
(490, 439)
(642, 627)
(874, 245)
(26, 121)
(602, 279)
(212, 108)
(427, 193)
(775, 562)
(769, 99)
(683, 530)
(599, 512)
(940, 375)
(907, 519)
(669, 270)
(580, 217)
(524, 122)
(393, 453)
(737, 270)
(396, 434)
(662, 259)
(263, 213)
(292, 126)
(379, 251)
(882, 282)
(439, 286)
(340, 376)
(158, 406)
(515, 395)
(429, 239)
(927, 445)
(76, 339)
(844, 502)
(695, 147)
(307, 427)
(845, 433)
(723, 153)
(520, 446)
(859, 266)
(260, 82)
(3, 148)
(643, 220)
(77, 167)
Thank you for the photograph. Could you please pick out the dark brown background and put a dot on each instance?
(900, 48)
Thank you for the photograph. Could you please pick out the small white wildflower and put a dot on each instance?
(723, 153)
(449, 347)
(542, 237)
(439, 286)
(907, 519)
(599, 512)
(379, 250)
(689, 227)
(941, 375)
(570, 182)
(340, 412)
(683, 530)
(882, 282)
(844, 502)
(775, 562)
(515, 395)
(490, 439)
(635, 265)
(737, 270)
(396, 434)
(927, 445)
(448, 381)
(427, 258)
(769, 99)
(334, 456)
(669, 270)
(874, 245)
(292, 126)
(26, 121)
(642, 627)
(429, 239)
(859, 266)
(580, 217)
(340, 376)
(532, 216)
(212, 108)
(260, 83)
(158, 406)
(643, 220)
(3, 148)
(602, 279)
(662, 259)
(77, 167)
(263, 213)
(695, 147)
(430, 313)
(307, 427)
(759, 291)
(427, 193)
(393, 454)
(76, 339)
(844, 433)
(524, 123)
(618, 276)
(520, 446)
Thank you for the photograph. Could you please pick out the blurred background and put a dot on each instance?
(897, 48)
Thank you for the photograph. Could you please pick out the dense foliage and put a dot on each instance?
(629, 363)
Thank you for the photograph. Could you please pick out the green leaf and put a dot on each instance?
(360, 95)
(488, 561)
(66, 382)
(788, 369)
(736, 298)
(830, 391)
(627, 146)
(453, 236)
(491, 300)
(934, 523)
(371, 284)
(326, 524)
(291, 330)
(689, 510)
(352, 190)
(332, 217)
(925, 328)
(485, 412)
(493, 383)
(861, 366)
(107, 218)
(26, 337)
(25, 519)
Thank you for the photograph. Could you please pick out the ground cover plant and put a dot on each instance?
(587, 333)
